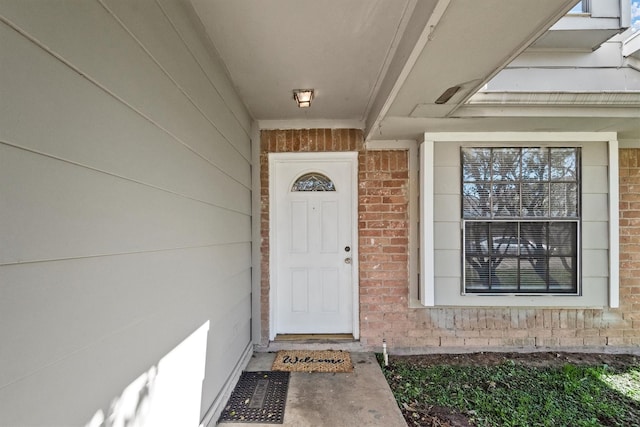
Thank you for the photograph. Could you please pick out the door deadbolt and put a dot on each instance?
(347, 248)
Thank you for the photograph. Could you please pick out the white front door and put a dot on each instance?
(313, 220)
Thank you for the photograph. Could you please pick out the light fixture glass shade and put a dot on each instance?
(303, 97)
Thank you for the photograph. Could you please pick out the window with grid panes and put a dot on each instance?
(521, 220)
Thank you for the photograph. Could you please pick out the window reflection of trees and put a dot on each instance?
(313, 182)
(521, 212)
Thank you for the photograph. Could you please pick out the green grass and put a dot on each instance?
(517, 395)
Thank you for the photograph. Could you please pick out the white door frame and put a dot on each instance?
(275, 158)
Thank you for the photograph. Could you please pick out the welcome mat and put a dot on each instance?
(259, 397)
(312, 361)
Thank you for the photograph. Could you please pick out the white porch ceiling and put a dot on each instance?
(339, 48)
(380, 64)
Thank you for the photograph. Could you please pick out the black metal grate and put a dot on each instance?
(259, 397)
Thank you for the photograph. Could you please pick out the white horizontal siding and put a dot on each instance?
(116, 282)
(67, 405)
(40, 94)
(607, 55)
(538, 79)
(90, 213)
(125, 213)
(191, 32)
(148, 25)
(596, 181)
(141, 83)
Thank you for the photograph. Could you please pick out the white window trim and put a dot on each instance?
(427, 252)
(427, 166)
(614, 225)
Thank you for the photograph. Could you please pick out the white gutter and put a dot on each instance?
(631, 46)
(587, 99)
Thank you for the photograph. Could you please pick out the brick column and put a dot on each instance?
(629, 248)
(384, 243)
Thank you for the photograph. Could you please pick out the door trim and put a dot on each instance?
(274, 159)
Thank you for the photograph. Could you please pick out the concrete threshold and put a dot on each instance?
(352, 346)
(315, 337)
(358, 398)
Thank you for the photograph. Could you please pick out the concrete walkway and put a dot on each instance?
(359, 398)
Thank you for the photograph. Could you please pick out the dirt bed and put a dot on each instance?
(619, 361)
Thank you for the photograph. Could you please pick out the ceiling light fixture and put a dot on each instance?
(447, 94)
(303, 97)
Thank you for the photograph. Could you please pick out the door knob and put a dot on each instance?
(347, 260)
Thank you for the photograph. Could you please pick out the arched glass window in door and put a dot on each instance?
(313, 181)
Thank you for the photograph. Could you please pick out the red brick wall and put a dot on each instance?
(629, 246)
(384, 282)
(465, 329)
